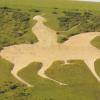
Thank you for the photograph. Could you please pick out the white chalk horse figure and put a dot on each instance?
(47, 50)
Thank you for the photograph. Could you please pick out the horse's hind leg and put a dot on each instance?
(90, 64)
(15, 71)
(42, 74)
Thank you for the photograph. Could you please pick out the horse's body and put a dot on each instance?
(47, 50)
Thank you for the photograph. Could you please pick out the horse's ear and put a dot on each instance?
(39, 18)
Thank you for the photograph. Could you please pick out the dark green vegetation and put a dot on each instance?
(11, 89)
(16, 24)
(76, 22)
(15, 27)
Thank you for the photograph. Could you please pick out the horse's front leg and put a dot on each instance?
(16, 69)
(42, 74)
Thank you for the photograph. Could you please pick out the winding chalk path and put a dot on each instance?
(47, 50)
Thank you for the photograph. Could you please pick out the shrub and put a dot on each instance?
(54, 12)
(62, 39)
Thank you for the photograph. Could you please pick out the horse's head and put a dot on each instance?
(39, 18)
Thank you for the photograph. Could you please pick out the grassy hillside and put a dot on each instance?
(81, 83)
(15, 27)
(46, 4)
(10, 88)
(62, 15)
(16, 24)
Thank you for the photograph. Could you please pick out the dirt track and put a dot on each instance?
(47, 50)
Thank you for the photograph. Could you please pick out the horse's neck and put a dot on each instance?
(44, 34)
(82, 39)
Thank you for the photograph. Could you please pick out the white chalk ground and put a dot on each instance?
(47, 50)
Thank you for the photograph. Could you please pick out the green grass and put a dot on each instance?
(46, 4)
(81, 83)
(16, 24)
(96, 42)
(5, 68)
(15, 27)
(97, 66)
(10, 88)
